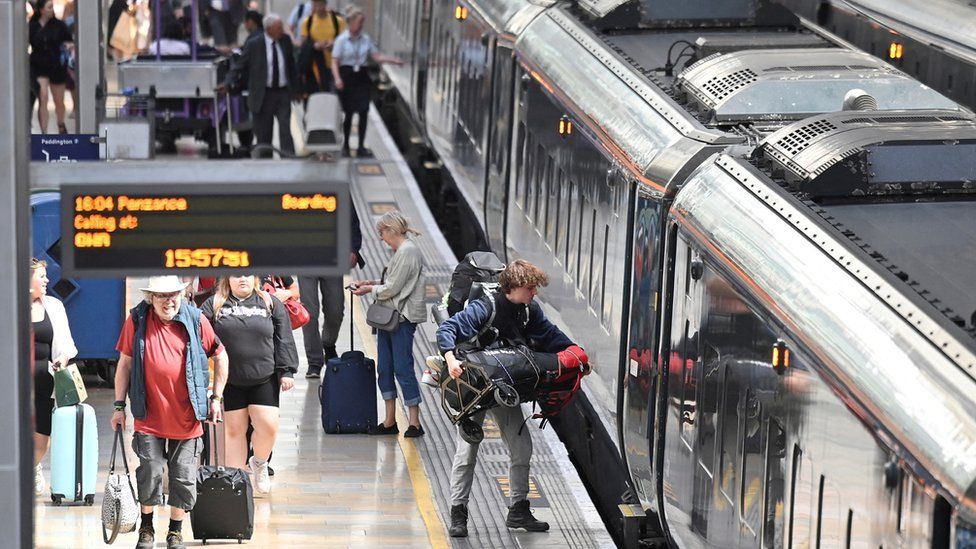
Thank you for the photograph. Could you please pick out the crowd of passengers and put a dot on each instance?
(243, 332)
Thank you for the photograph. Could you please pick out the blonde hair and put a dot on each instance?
(37, 264)
(223, 292)
(396, 222)
(352, 11)
(521, 273)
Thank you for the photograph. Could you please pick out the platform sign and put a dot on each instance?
(205, 228)
(64, 148)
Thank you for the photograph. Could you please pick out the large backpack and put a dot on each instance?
(475, 267)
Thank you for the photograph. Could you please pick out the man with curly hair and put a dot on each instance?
(509, 317)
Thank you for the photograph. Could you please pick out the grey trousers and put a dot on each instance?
(509, 422)
(333, 302)
(180, 457)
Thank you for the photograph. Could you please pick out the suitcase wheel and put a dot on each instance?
(240, 539)
(90, 500)
(57, 500)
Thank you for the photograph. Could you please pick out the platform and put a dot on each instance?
(360, 491)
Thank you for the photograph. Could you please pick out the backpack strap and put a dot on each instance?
(335, 23)
(487, 327)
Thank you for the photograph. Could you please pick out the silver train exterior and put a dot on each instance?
(776, 361)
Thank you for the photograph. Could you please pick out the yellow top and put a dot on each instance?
(323, 29)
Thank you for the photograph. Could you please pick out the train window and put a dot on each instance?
(572, 228)
(542, 199)
(558, 229)
(584, 208)
(519, 164)
(604, 308)
(709, 385)
(729, 434)
(752, 445)
(773, 512)
(589, 274)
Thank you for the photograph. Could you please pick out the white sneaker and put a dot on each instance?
(38, 480)
(262, 480)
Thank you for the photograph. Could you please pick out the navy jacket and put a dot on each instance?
(538, 332)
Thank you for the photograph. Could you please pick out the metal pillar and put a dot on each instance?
(90, 58)
(16, 446)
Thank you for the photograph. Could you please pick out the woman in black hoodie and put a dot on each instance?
(256, 331)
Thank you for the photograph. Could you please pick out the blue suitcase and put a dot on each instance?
(348, 390)
(74, 454)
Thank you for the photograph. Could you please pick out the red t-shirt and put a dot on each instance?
(169, 413)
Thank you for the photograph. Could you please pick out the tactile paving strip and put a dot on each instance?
(487, 505)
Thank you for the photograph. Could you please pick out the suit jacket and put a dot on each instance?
(253, 64)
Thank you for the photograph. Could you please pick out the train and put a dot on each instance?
(761, 234)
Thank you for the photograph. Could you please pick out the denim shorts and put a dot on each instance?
(181, 459)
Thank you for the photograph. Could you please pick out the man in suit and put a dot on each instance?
(269, 65)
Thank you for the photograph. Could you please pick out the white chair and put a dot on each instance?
(323, 121)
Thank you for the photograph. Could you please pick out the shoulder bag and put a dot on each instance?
(119, 509)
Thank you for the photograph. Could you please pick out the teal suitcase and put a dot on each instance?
(74, 454)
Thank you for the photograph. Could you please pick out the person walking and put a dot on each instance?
(162, 368)
(325, 294)
(402, 289)
(517, 319)
(53, 348)
(269, 66)
(51, 43)
(350, 52)
(255, 328)
(320, 29)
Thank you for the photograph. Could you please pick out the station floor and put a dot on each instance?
(362, 491)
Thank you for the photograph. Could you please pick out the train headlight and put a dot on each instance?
(460, 12)
(565, 126)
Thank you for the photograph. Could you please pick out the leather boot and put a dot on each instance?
(519, 516)
(459, 521)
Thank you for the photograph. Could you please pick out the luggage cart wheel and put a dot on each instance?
(56, 500)
(90, 500)
(240, 539)
(506, 395)
(471, 432)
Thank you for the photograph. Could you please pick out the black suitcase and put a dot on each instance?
(348, 390)
(225, 502)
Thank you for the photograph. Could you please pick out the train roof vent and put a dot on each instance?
(775, 85)
(852, 153)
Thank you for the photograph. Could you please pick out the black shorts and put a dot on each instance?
(43, 403)
(265, 393)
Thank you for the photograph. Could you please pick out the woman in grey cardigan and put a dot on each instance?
(402, 289)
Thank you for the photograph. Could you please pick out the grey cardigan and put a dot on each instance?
(403, 287)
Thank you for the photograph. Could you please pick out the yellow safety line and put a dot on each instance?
(423, 494)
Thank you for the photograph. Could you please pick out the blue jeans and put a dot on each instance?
(394, 358)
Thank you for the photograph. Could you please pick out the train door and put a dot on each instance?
(640, 380)
(681, 358)
(500, 123)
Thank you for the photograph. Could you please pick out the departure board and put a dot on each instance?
(205, 229)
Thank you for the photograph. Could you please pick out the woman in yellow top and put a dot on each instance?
(318, 31)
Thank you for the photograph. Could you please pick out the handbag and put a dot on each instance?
(297, 312)
(119, 508)
(69, 388)
(383, 317)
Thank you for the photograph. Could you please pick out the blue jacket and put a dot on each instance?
(539, 334)
(197, 371)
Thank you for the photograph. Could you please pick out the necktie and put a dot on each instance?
(275, 70)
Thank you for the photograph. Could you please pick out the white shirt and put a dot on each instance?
(353, 51)
(300, 11)
(282, 73)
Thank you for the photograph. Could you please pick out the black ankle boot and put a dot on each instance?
(519, 516)
(459, 521)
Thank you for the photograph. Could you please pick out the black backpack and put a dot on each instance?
(481, 267)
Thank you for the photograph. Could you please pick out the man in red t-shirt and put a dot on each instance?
(163, 350)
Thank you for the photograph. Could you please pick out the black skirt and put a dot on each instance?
(357, 87)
